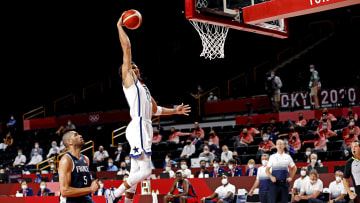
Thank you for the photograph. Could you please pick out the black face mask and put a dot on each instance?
(123, 167)
(325, 113)
(294, 137)
(300, 117)
(248, 127)
(325, 119)
(316, 136)
(197, 128)
(350, 113)
(188, 143)
(212, 134)
(292, 130)
(156, 133)
(351, 135)
(245, 133)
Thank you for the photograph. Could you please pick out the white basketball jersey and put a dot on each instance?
(139, 132)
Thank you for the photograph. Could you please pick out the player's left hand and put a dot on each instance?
(183, 109)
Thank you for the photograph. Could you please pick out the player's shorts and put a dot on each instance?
(276, 97)
(314, 91)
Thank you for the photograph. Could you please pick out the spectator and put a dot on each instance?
(214, 139)
(35, 159)
(25, 190)
(226, 155)
(265, 146)
(263, 180)
(273, 87)
(38, 148)
(70, 126)
(20, 159)
(100, 156)
(119, 154)
(158, 127)
(328, 115)
(197, 130)
(352, 114)
(224, 193)
(245, 138)
(101, 190)
(156, 137)
(38, 177)
(288, 148)
(7, 142)
(324, 120)
(168, 170)
(212, 97)
(168, 160)
(54, 150)
(184, 169)
(307, 155)
(174, 136)
(123, 169)
(43, 191)
(188, 150)
(207, 155)
(301, 122)
(251, 130)
(298, 182)
(213, 147)
(236, 158)
(234, 170)
(185, 191)
(337, 189)
(217, 170)
(203, 172)
(198, 93)
(314, 162)
(314, 85)
(320, 137)
(350, 133)
(294, 139)
(352, 171)
(251, 171)
(111, 166)
(11, 125)
(127, 161)
(55, 176)
(197, 141)
(271, 134)
(311, 189)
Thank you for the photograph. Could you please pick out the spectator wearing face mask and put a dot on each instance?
(168, 160)
(314, 85)
(352, 115)
(25, 190)
(350, 133)
(217, 170)
(38, 177)
(262, 180)
(314, 162)
(224, 193)
(265, 146)
(43, 191)
(188, 150)
(320, 137)
(38, 148)
(307, 155)
(70, 126)
(11, 124)
(214, 139)
(203, 172)
(234, 170)
(207, 155)
(184, 169)
(122, 169)
(324, 121)
(20, 159)
(245, 138)
(301, 122)
(127, 161)
(156, 137)
(298, 182)
(288, 148)
(175, 134)
(119, 154)
(54, 150)
(111, 166)
(55, 176)
(101, 190)
(197, 130)
(327, 115)
(251, 171)
(294, 139)
(169, 171)
(35, 159)
(226, 155)
(337, 189)
(311, 189)
(100, 155)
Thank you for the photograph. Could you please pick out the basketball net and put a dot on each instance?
(212, 37)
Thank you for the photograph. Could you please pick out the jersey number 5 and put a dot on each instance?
(85, 180)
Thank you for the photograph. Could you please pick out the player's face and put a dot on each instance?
(136, 70)
(179, 177)
(280, 145)
(77, 139)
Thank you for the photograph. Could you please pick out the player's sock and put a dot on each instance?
(120, 190)
(128, 200)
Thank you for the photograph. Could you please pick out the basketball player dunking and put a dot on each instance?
(74, 175)
(139, 132)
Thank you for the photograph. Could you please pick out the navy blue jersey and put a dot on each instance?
(80, 178)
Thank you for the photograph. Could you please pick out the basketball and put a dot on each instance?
(132, 19)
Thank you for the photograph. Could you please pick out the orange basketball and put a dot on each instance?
(132, 19)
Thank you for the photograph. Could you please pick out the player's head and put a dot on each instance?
(136, 70)
(73, 139)
(280, 146)
(179, 175)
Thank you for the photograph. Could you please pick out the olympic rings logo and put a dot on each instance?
(94, 118)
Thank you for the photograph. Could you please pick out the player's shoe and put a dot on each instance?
(110, 196)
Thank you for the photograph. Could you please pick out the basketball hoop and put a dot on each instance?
(212, 37)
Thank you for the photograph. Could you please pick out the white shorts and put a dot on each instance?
(139, 134)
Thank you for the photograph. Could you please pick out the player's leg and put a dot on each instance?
(144, 163)
(129, 194)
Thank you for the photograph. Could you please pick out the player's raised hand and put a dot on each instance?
(94, 186)
(183, 109)
(120, 21)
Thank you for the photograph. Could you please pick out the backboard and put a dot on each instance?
(229, 13)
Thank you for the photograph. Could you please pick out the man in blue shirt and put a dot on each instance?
(111, 166)
(27, 191)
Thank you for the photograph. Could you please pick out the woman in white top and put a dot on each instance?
(298, 182)
(311, 189)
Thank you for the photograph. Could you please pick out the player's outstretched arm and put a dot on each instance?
(65, 168)
(126, 48)
(181, 109)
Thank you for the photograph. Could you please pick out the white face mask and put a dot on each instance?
(216, 165)
(119, 148)
(312, 181)
(211, 143)
(251, 166)
(224, 181)
(124, 179)
(42, 187)
(313, 160)
(338, 178)
(183, 166)
(231, 167)
(101, 185)
(264, 162)
(110, 164)
(303, 173)
(24, 187)
(167, 159)
(127, 161)
(167, 168)
(36, 146)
